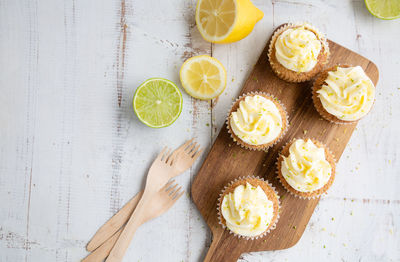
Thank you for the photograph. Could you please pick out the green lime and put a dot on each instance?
(384, 9)
(157, 102)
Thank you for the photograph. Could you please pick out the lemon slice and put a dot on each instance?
(157, 102)
(226, 21)
(384, 9)
(203, 77)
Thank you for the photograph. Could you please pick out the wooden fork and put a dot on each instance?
(155, 179)
(189, 152)
(159, 203)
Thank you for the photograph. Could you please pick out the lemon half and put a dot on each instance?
(226, 21)
(203, 77)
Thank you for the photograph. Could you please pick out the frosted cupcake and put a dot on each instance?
(257, 121)
(306, 168)
(343, 94)
(297, 52)
(248, 207)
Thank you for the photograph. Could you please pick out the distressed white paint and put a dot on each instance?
(70, 155)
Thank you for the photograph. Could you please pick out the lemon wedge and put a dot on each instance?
(203, 77)
(226, 21)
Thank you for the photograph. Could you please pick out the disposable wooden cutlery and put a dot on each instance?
(189, 153)
(141, 213)
(174, 164)
(159, 203)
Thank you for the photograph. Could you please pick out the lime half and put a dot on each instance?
(384, 9)
(157, 102)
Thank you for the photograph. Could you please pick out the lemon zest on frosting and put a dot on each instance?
(348, 93)
(257, 120)
(297, 49)
(247, 211)
(306, 168)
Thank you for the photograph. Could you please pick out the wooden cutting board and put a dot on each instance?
(227, 161)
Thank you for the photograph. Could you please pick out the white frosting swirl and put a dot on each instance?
(306, 168)
(247, 211)
(297, 49)
(348, 93)
(257, 120)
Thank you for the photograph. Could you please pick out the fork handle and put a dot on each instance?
(101, 253)
(114, 223)
(135, 221)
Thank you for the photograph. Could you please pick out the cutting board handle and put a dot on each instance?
(221, 249)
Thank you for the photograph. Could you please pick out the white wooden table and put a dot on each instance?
(72, 151)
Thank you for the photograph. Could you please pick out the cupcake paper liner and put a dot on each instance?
(313, 194)
(292, 76)
(269, 229)
(263, 147)
(319, 81)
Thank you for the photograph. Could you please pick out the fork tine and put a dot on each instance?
(173, 193)
(171, 189)
(167, 185)
(172, 200)
(165, 156)
(175, 153)
(161, 154)
(190, 148)
(197, 154)
(177, 192)
(184, 146)
(178, 195)
(194, 151)
(171, 157)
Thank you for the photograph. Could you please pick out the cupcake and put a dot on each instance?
(248, 207)
(257, 121)
(343, 94)
(297, 52)
(306, 168)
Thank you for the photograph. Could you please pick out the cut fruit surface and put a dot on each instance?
(157, 102)
(226, 21)
(384, 9)
(203, 77)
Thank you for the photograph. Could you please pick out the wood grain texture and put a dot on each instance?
(227, 161)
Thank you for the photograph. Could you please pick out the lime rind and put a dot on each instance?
(384, 9)
(157, 102)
